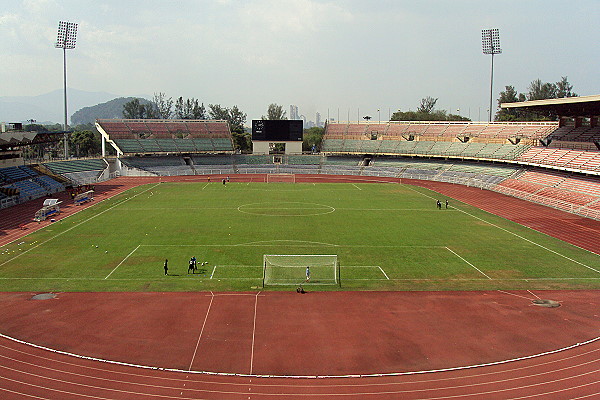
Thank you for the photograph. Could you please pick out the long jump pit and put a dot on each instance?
(488, 344)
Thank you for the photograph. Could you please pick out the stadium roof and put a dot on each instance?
(16, 139)
(564, 107)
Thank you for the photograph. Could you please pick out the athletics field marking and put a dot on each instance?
(77, 225)
(122, 261)
(513, 233)
(457, 255)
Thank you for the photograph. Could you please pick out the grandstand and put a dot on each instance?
(553, 163)
(142, 136)
(21, 183)
(78, 172)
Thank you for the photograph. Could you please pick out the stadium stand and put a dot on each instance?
(79, 172)
(166, 136)
(22, 183)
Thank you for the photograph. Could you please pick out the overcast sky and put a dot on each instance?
(348, 57)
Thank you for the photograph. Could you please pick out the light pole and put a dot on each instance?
(490, 40)
(67, 35)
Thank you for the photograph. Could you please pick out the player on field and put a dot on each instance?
(166, 266)
(307, 274)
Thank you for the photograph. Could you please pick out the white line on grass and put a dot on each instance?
(480, 271)
(122, 261)
(62, 278)
(356, 186)
(299, 243)
(213, 272)
(516, 234)
(212, 297)
(253, 332)
(77, 225)
(383, 272)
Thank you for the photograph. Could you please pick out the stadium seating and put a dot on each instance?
(70, 166)
(168, 136)
(582, 160)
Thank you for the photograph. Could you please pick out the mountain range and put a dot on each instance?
(49, 107)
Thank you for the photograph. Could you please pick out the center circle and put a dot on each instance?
(285, 209)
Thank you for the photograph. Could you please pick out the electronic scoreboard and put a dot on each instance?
(285, 130)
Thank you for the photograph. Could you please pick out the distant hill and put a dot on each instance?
(48, 107)
(110, 109)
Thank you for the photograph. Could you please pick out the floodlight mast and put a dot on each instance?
(490, 40)
(67, 35)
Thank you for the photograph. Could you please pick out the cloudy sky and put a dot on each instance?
(342, 57)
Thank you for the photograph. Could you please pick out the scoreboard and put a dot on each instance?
(285, 130)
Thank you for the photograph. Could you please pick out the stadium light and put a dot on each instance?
(490, 40)
(67, 35)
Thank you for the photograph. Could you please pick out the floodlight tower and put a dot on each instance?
(67, 34)
(490, 39)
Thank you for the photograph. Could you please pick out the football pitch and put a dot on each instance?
(385, 237)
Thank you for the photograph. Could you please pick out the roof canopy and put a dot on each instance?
(584, 106)
(16, 139)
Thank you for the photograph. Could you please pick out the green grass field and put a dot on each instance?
(386, 237)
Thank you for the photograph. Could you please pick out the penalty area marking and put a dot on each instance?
(122, 261)
(478, 270)
(383, 272)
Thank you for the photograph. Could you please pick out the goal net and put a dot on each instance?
(281, 178)
(288, 270)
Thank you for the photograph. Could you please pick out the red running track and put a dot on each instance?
(396, 334)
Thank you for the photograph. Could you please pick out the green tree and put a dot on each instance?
(189, 109)
(564, 88)
(85, 143)
(236, 119)
(427, 105)
(312, 137)
(215, 111)
(136, 109)
(274, 112)
(539, 90)
(510, 95)
(163, 107)
(233, 115)
(242, 141)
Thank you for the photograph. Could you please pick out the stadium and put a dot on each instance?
(164, 249)
(492, 293)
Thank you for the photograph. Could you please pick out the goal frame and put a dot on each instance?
(281, 178)
(336, 270)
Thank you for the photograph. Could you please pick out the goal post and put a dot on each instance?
(281, 178)
(291, 269)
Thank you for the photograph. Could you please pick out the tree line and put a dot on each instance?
(537, 90)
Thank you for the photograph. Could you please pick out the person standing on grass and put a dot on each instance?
(307, 274)
(446, 204)
(166, 266)
(439, 205)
